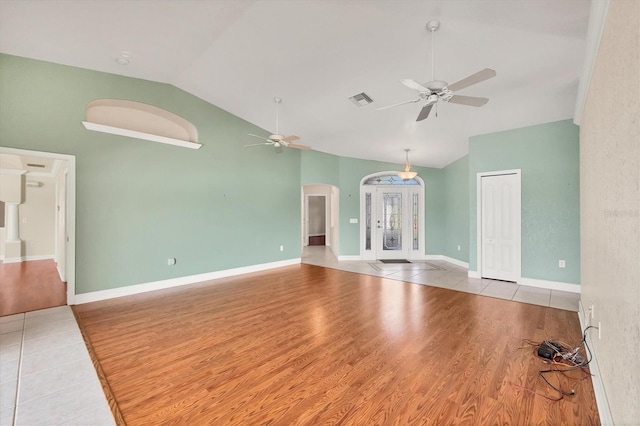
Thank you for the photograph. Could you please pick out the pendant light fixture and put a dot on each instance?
(407, 174)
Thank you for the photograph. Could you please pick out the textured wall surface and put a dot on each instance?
(548, 155)
(139, 202)
(610, 208)
(456, 210)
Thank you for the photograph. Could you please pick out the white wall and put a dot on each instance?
(610, 208)
(317, 214)
(37, 218)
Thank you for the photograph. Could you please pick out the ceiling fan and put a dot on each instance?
(435, 90)
(277, 140)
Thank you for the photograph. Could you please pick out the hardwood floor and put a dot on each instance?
(29, 286)
(311, 345)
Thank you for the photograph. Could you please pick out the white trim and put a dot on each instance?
(327, 213)
(38, 257)
(473, 274)
(553, 285)
(451, 260)
(27, 258)
(139, 135)
(598, 386)
(70, 257)
(180, 281)
(595, 28)
(479, 176)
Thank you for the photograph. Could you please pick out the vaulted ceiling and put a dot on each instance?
(315, 54)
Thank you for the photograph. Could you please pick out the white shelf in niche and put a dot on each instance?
(140, 121)
(139, 135)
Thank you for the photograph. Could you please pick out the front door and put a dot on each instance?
(393, 223)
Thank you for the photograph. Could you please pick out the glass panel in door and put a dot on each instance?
(393, 223)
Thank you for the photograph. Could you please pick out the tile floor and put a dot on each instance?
(439, 273)
(47, 378)
(46, 375)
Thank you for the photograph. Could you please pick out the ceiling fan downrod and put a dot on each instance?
(433, 26)
(278, 101)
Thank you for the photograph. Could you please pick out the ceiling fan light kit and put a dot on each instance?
(435, 90)
(407, 174)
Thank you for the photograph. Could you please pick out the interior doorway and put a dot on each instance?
(62, 215)
(316, 220)
(320, 225)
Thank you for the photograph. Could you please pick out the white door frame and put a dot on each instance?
(306, 218)
(479, 176)
(371, 254)
(70, 252)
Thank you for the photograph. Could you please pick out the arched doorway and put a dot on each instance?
(391, 217)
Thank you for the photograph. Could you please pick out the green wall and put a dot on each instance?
(548, 155)
(141, 202)
(225, 206)
(318, 167)
(456, 210)
(346, 173)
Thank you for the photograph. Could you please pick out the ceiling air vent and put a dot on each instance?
(361, 99)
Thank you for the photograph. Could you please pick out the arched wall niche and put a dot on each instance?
(141, 121)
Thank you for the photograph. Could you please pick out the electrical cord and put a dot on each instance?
(564, 353)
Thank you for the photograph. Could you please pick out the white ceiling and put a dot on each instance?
(315, 54)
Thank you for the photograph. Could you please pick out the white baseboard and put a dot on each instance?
(598, 386)
(553, 285)
(27, 258)
(451, 260)
(176, 282)
(532, 282)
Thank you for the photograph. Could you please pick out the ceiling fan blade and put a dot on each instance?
(295, 145)
(400, 103)
(411, 84)
(483, 75)
(259, 144)
(259, 137)
(290, 138)
(468, 100)
(424, 112)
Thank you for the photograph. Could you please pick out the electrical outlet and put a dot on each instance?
(281, 248)
(599, 329)
(561, 264)
(458, 248)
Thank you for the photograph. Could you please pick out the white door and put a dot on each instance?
(393, 223)
(500, 233)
